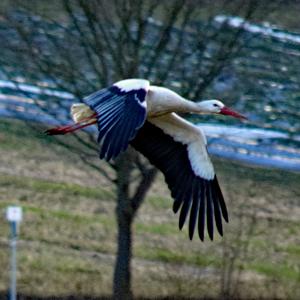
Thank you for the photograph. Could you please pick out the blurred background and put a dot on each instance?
(245, 53)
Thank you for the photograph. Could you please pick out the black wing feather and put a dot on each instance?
(120, 114)
(217, 211)
(209, 212)
(179, 190)
(201, 219)
(194, 209)
(221, 199)
(185, 208)
(199, 197)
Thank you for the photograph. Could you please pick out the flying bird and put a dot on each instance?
(133, 112)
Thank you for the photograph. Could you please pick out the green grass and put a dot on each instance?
(178, 257)
(12, 131)
(43, 186)
(281, 272)
(161, 229)
(293, 249)
(159, 202)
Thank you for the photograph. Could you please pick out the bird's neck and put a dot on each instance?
(193, 107)
(161, 100)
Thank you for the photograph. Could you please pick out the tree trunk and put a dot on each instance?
(122, 273)
(126, 210)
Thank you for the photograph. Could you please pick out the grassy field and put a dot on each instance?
(67, 240)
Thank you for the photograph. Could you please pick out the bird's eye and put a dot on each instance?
(215, 105)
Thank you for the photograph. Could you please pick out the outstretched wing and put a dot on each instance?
(121, 111)
(178, 149)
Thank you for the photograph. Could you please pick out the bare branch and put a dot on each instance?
(142, 188)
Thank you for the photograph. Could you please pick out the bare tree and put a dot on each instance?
(91, 44)
(236, 252)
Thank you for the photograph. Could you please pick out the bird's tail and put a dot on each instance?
(82, 115)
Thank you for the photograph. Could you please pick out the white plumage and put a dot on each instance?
(192, 136)
(134, 112)
(128, 85)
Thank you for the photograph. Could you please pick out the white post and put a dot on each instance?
(13, 262)
(14, 216)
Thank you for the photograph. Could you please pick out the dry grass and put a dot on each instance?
(68, 236)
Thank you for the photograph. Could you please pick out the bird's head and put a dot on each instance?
(218, 107)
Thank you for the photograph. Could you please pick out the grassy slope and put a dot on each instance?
(68, 235)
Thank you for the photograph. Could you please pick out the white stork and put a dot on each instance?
(145, 116)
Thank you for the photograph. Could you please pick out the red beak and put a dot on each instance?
(228, 112)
